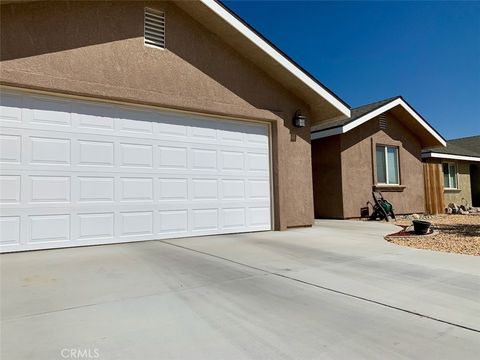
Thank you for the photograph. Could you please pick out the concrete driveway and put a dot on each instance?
(334, 291)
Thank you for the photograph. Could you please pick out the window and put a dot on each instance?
(154, 28)
(387, 165)
(449, 175)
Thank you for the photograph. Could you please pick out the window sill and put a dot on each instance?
(389, 188)
(451, 190)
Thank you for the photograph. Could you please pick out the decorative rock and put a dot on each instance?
(415, 216)
(463, 207)
(454, 207)
(449, 210)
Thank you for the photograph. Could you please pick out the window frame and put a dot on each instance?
(397, 167)
(449, 163)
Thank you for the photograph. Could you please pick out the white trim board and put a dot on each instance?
(275, 54)
(449, 156)
(363, 119)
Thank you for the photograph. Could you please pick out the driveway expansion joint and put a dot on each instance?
(353, 296)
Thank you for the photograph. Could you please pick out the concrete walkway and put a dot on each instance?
(337, 290)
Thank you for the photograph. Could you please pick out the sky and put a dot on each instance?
(428, 52)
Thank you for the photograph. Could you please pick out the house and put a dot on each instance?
(130, 121)
(379, 147)
(458, 166)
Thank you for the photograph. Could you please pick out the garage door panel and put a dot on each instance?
(88, 117)
(172, 157)
(10, 230)
(234, 218)
(173, 221)
(96, 225)
(172, 189)
(49, 189)
(80, 173)
(10, 186)
(136, 155)
(96, 153)
(49, 228)
(10, 148)
(95, 189)
(11, 109)
(171, 128)
(205, 219)
(203, 159)
(49, 151)
(47, 111)
(136, 189)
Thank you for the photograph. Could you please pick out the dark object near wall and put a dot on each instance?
(421, 227)
(382, 209)
(364, 212)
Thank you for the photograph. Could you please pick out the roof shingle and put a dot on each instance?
(467, 146)
(355, 114)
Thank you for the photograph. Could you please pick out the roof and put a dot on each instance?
(243, 38)
(367, 112)
(467, 148)
(355, 114)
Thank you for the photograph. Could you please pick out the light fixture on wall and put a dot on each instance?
(299, 119)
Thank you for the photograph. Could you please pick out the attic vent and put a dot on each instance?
(154, 28)
(382, 122)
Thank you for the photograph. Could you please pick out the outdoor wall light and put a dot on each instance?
(299, 119)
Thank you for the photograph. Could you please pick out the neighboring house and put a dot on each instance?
(459, 166)
(129, 121)
(377, 148)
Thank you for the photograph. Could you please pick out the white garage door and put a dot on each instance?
(79, 173)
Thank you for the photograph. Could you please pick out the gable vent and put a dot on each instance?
(382, 121)
(154, 28)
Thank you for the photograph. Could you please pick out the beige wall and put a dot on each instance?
(96, 49)
(463, 195)
(356, 159)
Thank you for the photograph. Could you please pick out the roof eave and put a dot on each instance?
(438, 140)
(286, 63)
(432, 154)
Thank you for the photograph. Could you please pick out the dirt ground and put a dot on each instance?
(456, 233)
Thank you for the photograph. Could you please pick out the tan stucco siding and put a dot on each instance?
(358, 173)
(463, 194)
(96, 49)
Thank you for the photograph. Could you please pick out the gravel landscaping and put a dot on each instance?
(454, 233)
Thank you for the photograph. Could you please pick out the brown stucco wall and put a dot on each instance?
(358, 175)
(356, 155)
(327, 177)
(96, 49)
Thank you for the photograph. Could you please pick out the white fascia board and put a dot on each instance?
(449, 156)
(277, 56)
(423, 123)
(363, 119)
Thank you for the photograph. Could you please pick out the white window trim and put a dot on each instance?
(385, 147)
(456, 175)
